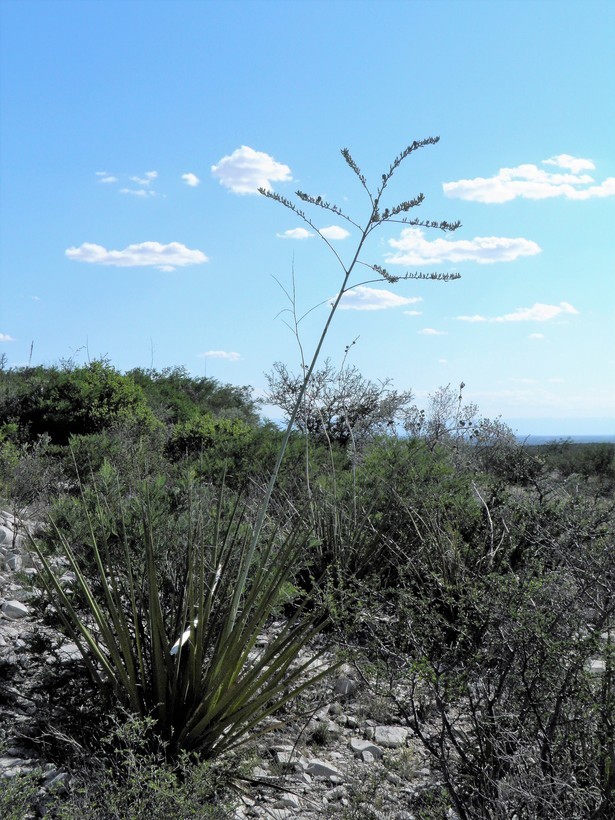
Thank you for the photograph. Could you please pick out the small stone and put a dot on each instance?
(14, 562)
(321, 768)
(597, 666)
(361, 747)
(58, 783)
(345, 686)
(15, 609)
(288, 800)
(391, 737)
(69, 653)
(337, 793)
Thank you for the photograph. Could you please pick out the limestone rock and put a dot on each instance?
(15, 609)
(391, 737)
(360, 747)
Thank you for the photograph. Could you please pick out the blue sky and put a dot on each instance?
(134, 135)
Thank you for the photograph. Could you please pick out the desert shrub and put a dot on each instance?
(18, 795)
(175, 396)
(129, 777)
(595, 462)
(60, 402)
(133, 451)
(30, 474)
(491, 665)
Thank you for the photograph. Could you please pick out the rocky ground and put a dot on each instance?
(350, 757)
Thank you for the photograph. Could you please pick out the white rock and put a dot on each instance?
(288, 800)
(337, 793)
(15, 609)
(321, 768)
(391, 737)
(69, 653)
(359, 747)
(14, 562)
(597, 666)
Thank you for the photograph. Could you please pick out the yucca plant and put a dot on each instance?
(186, 655)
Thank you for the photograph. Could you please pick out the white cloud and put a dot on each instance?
(140, 192)
(230, 356)
(191, 179)
(147, 179)
(364, 298)
(4, 337)
(414, 249)
(413, 313)
(334, 232)
(475, 318)
(574, 164)
(556, 380)
(147, 254)
(246, 170)
(537, 313)
(430, 331)
(531, 182)
(105, 177)
(442, 361)
(295, 233)
(536, 336)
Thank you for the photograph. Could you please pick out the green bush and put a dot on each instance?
(130, 779)
(60, 402)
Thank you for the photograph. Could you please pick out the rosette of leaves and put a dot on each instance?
(172, 630)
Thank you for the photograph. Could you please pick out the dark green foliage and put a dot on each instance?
(131, 778)
(594, 462)
(60, 402)
(175, 396)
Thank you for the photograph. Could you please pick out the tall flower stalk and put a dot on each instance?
(377, 216)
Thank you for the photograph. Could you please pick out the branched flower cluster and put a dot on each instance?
(392, 279)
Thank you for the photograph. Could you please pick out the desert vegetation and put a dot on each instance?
(468, 579)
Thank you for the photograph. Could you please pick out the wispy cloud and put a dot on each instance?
(295, 233)
(229, 356)
(4, 337)
(412, 248)
(556, 380)
(531, 182)
(537, 313)
(146, 254)
(430, 331)
(140, 192)
(364, 298)
(246, 170)
(536, 336)
(574, 164)
(191, 179)
(149, 177)
(103, 176)
(334, 232)
(413, 313)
